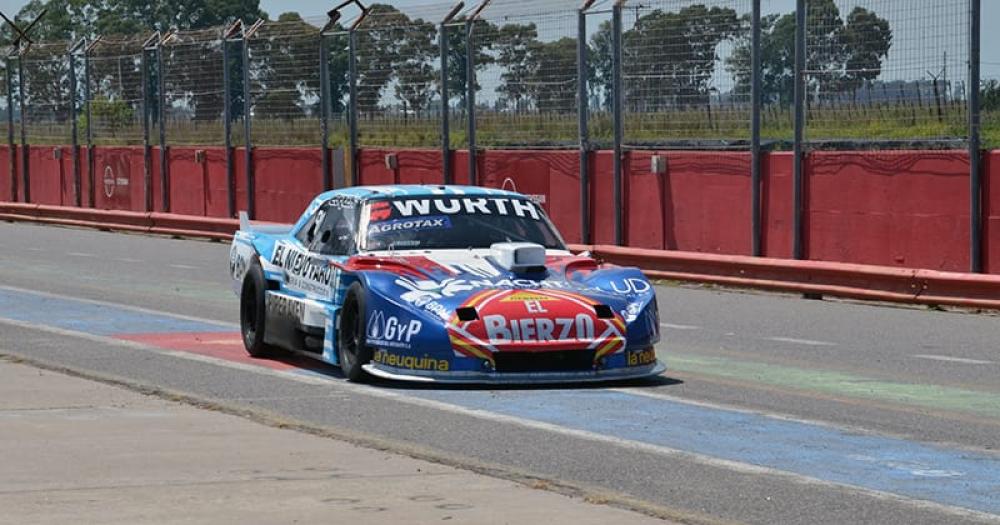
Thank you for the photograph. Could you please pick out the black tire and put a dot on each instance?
(351, 345)
(253, 313)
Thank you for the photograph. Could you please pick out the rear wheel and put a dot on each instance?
(253, 313)
(351, 344)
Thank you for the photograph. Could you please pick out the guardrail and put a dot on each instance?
(866, 282)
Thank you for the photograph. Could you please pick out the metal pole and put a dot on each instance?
(90, 129)
(618, 117)
(227, 126)
(755, 157)
(77, 184)
(26, 177)
(161, 111)
(975, 177)
(445, 110)
(247, 142)
(324, 110)
(798, 250)
(12, 148)
(352, 107)
(583, 114)
(147, 161)
(470, 99)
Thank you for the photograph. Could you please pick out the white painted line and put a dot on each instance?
(128, 259)
(627, 444)
(184, 267)
(80, 254)
(950, 359)
(807, 342)
(680, 326)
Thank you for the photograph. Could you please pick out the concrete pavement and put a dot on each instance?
(73, 450)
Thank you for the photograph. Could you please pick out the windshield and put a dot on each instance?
(442, 222)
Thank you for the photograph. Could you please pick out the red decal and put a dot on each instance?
(380, 211)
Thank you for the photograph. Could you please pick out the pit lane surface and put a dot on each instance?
(775, 409)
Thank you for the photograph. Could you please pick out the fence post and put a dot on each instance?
(25, 148)
(227, 124)
(161, 105)
(755, 156)
(618, 116)
(247, 141)
(90, 130)
(352, 106)
(445, 116)
(146, 154)
(975, 177)
(583, 114)
(798, 250)
(75, 144)
(470, 99)
(324, 110)
(11, 146)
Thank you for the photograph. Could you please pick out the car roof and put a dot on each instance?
(414, 190)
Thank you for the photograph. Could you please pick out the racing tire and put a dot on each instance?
(253, 313)
(352, 348)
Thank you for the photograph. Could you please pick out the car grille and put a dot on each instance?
(558, 361)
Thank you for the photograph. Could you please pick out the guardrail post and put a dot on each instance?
(75, 143)
(618, 115)
(147, 161)
(25, 148)
(975, 176)
(11, 146)
(756, 228)
(583, 114)
(161, 116)
(324, 110)
(227, 125)
(470, 99)
(247, 140)
(352, 107)
(798, 250)
(90, 129)
(445, 110)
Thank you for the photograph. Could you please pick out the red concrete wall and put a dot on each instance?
(700, 204)
(51, 179)
(413, 167)
(991, 211)
(898, 208)
(6, 182)
(118, 178)
(197, 187)
(602, 221)
(287, 179)
(776, 204)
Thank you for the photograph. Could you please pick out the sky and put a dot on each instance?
(916, 12)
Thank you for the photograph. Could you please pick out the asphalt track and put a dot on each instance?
(774, 409)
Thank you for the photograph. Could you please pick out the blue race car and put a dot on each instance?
(440, 283)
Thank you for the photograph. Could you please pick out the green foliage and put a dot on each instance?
(989, 95)
(112, 115)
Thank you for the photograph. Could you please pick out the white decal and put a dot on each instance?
(482, 205)
(632, 285)
(390, 331)
(284, 306)
(303, 271)
(499, 329)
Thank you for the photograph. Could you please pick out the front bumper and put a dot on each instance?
(514, 378)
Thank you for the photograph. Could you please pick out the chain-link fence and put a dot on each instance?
(116, 105)
(886, 69)
(876, 71)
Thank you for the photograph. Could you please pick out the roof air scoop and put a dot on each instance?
(519, 257)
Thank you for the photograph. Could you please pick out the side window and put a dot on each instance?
(334, 231)
(308, 231)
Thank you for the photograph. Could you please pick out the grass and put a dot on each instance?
(494, 130)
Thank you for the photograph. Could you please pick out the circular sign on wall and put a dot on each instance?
(109, 181)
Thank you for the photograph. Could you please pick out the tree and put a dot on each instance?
(516, 46)
(483, 35)
(555, 77)
(843, 55)
(599, 81)
(415, 72)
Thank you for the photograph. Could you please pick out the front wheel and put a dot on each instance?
(253, 313)
(351, 342)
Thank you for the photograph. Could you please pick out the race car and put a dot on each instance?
(440, 283)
